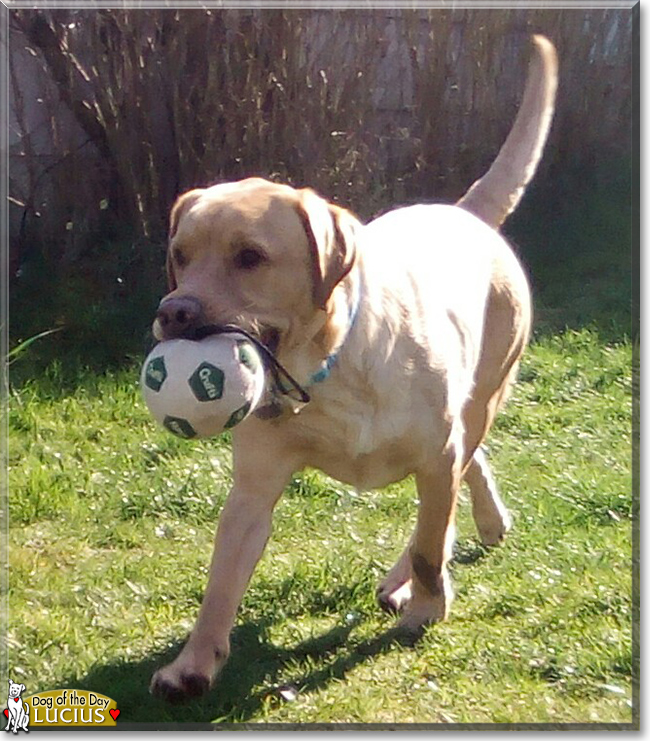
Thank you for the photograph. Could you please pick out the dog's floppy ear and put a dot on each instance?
(183, 203)
(331, 233)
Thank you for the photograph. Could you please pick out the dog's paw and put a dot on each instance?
(178, 688)
(417, 614)
(426, 606)
(394, 599)
(188, 677)
(492, 528)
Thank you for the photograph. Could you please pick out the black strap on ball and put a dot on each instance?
(271, 363)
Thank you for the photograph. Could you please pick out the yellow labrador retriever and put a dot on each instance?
(405, 332)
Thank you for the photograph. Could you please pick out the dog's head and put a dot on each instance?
(15, 690)
(263, 256)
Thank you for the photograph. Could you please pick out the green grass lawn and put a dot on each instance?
(111, 528)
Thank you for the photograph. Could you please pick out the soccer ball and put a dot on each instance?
(200, 389)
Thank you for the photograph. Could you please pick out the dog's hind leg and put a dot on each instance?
(490, 514)
(506, 332)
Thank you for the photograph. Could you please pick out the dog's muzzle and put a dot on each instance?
(176, 317)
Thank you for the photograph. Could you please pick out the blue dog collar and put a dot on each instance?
(330, 361)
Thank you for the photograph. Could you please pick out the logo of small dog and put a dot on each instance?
(17, 711)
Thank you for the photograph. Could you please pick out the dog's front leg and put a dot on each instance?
(244, 528)
(432, 543)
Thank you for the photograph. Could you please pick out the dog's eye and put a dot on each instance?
(248, 258)
(179, 258)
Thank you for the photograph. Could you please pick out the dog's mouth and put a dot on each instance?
(267, 336)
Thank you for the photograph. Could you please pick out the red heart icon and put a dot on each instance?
(15, 699)
(6, 712)
(114, 713)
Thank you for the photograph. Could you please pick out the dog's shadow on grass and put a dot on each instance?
(257, 673)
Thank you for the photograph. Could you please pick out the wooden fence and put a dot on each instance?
(115, 112)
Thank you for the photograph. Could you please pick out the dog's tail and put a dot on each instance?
(497, 193)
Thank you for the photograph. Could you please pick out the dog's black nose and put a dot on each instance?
(179, 317)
